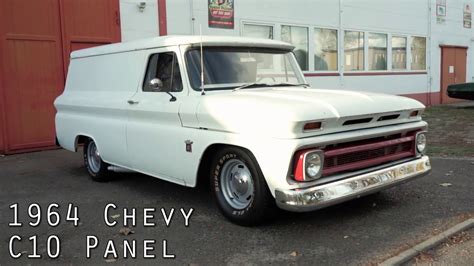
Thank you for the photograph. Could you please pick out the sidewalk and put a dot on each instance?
(459, 250)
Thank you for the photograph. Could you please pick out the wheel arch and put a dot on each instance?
(81, 139)
(204, 166)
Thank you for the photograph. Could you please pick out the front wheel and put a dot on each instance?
(239, 187)
(96, 168)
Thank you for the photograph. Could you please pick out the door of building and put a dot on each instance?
(453, 69)
(32, 71)
(36, 38)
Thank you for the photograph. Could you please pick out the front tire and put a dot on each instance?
(96, 168)
(239, 187)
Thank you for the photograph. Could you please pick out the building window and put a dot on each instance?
(353, 50)
(298, 36)
(399, 53)
(418, 53)
(377, 51)
(325, 49)
(258, 31)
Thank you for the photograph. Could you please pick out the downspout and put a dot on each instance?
(429, 54)
(340, 46)
(162, 20)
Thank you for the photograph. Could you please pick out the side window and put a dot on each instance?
(163, 66)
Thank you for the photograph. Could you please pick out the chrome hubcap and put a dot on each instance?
(93, 157)
(237, 184)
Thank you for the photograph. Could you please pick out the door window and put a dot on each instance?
(165, 67)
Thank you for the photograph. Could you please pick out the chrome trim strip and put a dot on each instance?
(336, 177)
(317, 197)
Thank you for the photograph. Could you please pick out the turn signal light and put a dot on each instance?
(299, 166)
(312, 126)
(413, 113)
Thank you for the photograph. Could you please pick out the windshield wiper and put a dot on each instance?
(289, 85)
(257, 85)
(251, 85)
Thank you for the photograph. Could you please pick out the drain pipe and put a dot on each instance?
(340, 46)
(429, 54)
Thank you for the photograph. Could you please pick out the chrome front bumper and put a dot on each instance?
(320, 196)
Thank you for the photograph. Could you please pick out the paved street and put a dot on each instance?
(363, 231)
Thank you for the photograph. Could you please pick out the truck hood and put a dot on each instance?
(283, 112)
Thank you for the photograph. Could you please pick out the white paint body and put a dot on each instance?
(149, 137)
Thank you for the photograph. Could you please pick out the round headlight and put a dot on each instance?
(421, 142)
(313, 165)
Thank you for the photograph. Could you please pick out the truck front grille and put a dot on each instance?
(357, 155)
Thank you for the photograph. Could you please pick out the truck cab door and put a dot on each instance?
(153, 120)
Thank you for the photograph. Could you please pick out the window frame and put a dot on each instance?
(255, 23)
(387, 69)
(412, 37)
(147, 57)
(310, 62)
(341, 69)
(186, 49)
(338, 49)
(407, 53)
(343, 51)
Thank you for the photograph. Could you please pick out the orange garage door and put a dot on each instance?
(453, 69)
(36, 40)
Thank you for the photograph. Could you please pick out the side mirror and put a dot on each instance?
(155, 84)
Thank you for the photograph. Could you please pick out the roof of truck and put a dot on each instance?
(179, 40)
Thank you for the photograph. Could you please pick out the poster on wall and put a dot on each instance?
(441, 11)
(221, 14)
(467, 17)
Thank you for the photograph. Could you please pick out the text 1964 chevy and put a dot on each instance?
(255, 130)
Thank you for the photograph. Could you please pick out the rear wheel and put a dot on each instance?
(96, 168)
(239, 187)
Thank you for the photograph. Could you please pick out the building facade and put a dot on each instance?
(383, 46)
(405, 47)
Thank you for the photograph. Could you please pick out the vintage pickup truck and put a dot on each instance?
(248, 124)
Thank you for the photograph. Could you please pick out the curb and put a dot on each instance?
(455, 158)
(429, 243)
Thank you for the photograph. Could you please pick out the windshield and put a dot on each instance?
(232, 67)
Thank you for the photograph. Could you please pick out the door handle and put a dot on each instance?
(132, 102)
